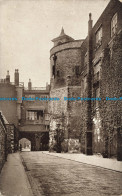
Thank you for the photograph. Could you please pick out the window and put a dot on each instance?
(96, 77)
(97, 94)
(53, 71)
(85, 83)
(59, 43)
(58, 73)
(30, 115)
(97, 68)
(85, 69)
(99, 36)
(39, 115)
(114, 25)
(34, 115)
(46, 116)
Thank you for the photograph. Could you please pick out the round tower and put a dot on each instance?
(65, 60)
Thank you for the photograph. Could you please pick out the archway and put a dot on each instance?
(39, 141)
(24, 144)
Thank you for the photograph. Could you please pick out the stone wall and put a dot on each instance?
(9, 108)
(67, 59)
(3, 139)
(65, 113)
(12, 139)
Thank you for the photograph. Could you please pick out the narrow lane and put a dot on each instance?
(53, 176)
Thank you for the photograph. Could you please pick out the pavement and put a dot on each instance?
(13, 179)
(94, 160)
(56, 176)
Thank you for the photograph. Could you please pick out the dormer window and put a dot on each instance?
(59, 43)
(99, 37)
(114, 24)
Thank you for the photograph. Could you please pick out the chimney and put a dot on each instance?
(29, 85)
(16, 77)
(90, 23)
(7, 77)
(88, 139)
(89, 42)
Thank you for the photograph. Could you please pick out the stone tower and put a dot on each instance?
(65, 62)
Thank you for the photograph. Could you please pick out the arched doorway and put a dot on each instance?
(39, 141)
(25, 144)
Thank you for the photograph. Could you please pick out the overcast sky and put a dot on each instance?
(28, 26)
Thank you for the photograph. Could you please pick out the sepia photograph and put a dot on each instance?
(60, 97)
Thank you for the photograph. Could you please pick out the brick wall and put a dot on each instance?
(111, 85)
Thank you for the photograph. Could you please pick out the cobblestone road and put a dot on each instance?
(53, 176)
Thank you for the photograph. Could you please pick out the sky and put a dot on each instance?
(28, 26)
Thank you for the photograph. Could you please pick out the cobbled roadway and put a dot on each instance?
(54, 176)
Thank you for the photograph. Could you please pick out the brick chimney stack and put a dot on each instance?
(90, 22)
(8, 77)
(16, 77)
(88, 142)
(29, 85)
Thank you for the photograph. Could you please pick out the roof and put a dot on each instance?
(62, 36)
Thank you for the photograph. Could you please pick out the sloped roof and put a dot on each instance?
(62, 36)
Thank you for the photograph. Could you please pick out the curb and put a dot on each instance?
(32, 184)
(82, 162)
(27, 178)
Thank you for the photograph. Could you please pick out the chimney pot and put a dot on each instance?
(29, 85)
(7, 77)
(90, 15)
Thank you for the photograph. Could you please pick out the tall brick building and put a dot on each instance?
(90, 68)
(101, 77)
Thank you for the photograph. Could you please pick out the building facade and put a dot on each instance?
(27, 117)
(34, 124)
(90, 68)
(101, 77)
